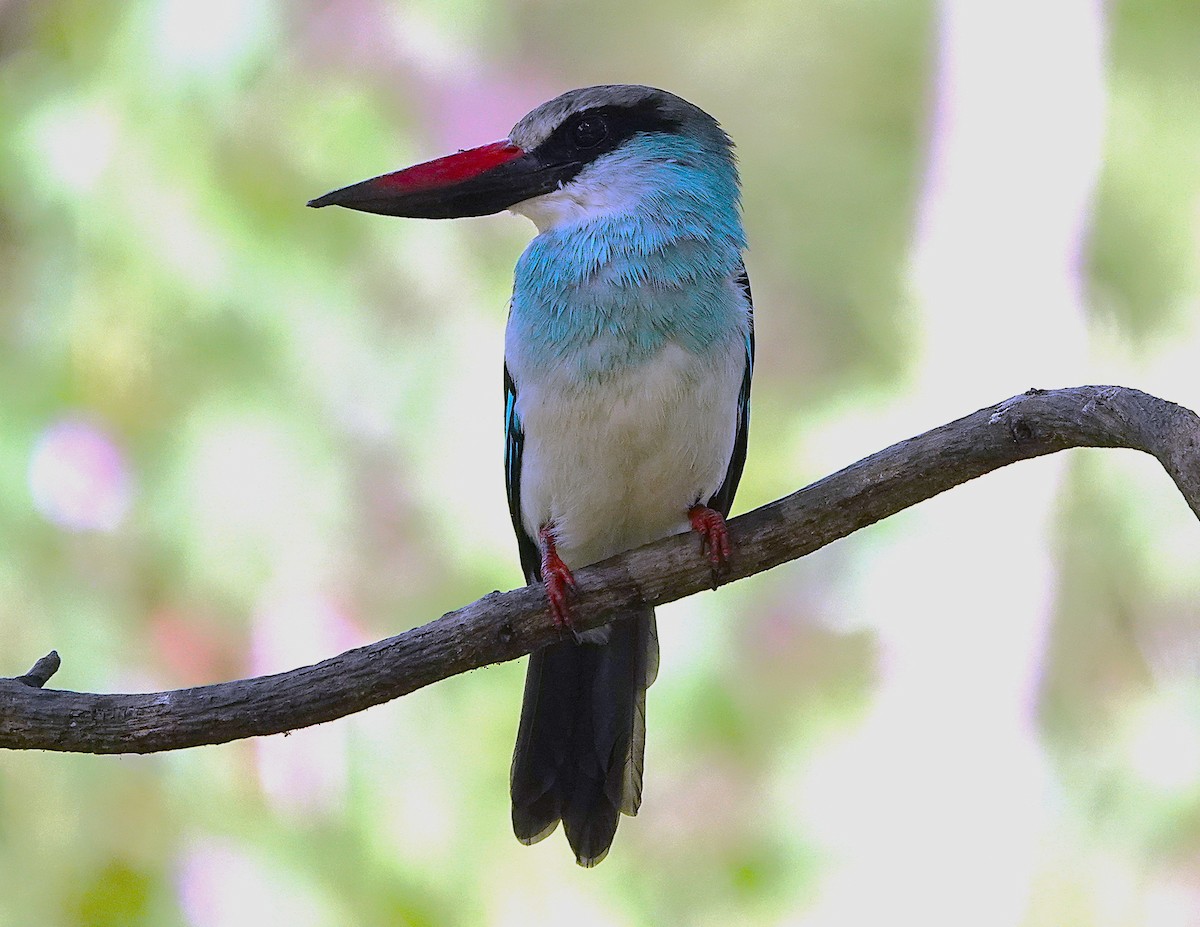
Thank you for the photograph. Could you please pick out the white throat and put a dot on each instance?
(589, 196)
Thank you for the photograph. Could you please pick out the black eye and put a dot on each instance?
(589, 131)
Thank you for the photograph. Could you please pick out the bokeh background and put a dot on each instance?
(237, 436)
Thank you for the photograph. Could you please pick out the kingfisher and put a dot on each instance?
(628, 355)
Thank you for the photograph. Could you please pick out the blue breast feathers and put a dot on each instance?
(611, 290)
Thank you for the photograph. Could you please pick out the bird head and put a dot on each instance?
(588, 152)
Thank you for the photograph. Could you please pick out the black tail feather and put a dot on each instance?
(582, 737)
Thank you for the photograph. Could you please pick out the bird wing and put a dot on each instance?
(723, 498)
(514, 446)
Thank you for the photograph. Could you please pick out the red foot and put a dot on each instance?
(714, 536)
(557, 578)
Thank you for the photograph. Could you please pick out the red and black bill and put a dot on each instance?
(474, 182)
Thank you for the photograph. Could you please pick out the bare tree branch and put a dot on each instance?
(502, 627)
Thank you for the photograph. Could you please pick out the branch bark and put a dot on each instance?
(504, 626)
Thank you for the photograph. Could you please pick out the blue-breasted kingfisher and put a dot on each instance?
(627, 364)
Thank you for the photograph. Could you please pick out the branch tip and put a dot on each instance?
(42, 670)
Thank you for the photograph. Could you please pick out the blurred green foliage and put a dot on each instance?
(237, 436)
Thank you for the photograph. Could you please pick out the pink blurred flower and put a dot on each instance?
(78, 477)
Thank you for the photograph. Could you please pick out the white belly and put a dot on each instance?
(616, 462)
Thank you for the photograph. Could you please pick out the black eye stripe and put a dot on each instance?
(565, 146)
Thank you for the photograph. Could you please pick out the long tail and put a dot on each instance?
(582, 737)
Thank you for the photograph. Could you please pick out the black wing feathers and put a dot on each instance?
(514, 445)
(722, 500)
